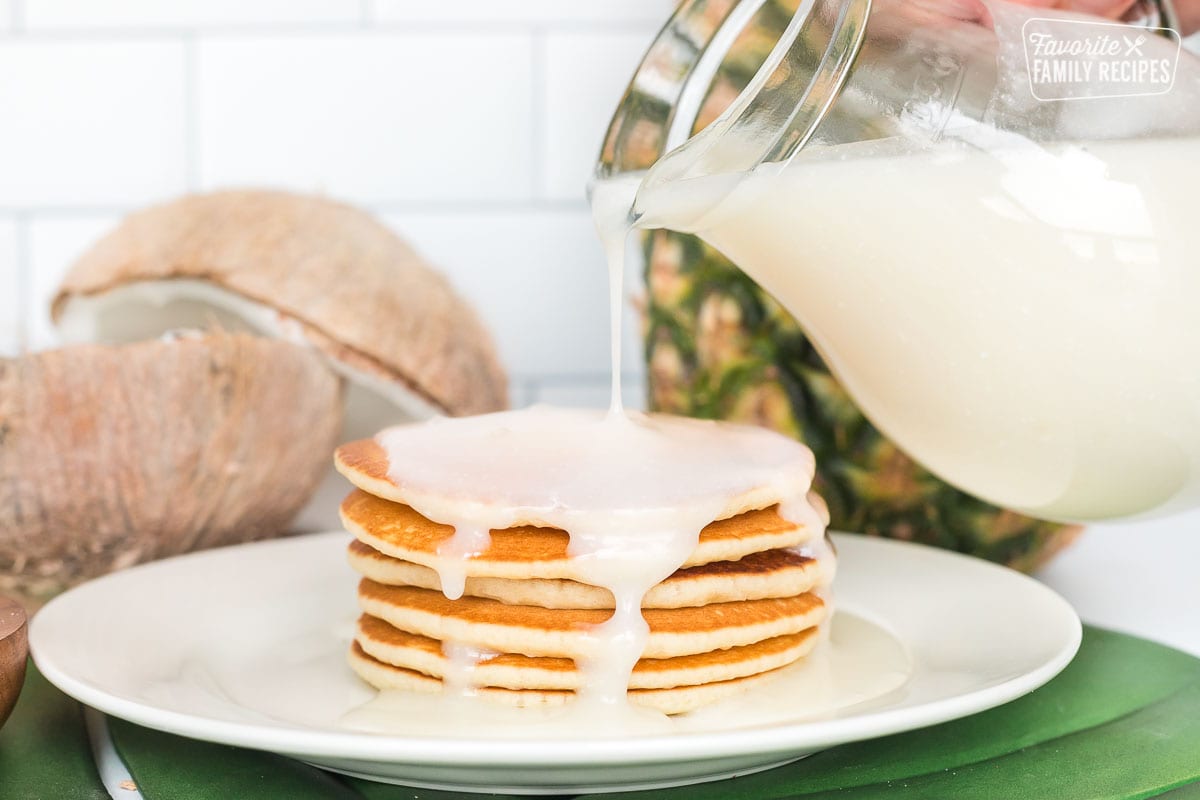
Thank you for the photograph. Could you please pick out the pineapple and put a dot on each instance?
(719, 347)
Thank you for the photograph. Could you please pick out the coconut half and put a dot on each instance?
(113, 455)
(305, 269)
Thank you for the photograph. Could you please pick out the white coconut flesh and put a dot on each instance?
(143, 310)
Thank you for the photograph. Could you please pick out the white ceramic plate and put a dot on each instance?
(245, 646)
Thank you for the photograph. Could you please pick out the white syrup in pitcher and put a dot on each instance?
(1022, 320)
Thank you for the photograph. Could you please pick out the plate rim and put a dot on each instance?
(787, 737)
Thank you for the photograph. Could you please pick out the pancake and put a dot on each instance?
(526, 551)
(562, 515)
(399, 648)
(365, 464)
(676, 700)
(772, 573)
(537, 631)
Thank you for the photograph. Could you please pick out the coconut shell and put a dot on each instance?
(359, 294)
(113, 455)
(14, 651)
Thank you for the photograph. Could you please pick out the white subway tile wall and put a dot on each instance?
(537, 276)
(373, 118)
(51, 245)
(604, 11)
(185, 14)
(584, 83)
(91, 123)
(469, 127)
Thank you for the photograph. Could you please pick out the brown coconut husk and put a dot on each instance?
(14, 651)
(110, 456)
(351, 287)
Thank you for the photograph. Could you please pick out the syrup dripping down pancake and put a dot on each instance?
(365, 464)
(398, 648)
(771, 573)
(676, 700)
(567, 633)
(527, 551)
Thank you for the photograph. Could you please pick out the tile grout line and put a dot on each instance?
(531, 388)
(191, 113)
(385, 208)
(553, 380)
(467, 207)
(24, 282)
(371, 27)
(539, 99)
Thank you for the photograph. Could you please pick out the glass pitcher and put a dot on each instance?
(984, 216)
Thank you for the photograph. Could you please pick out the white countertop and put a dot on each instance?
(1141, 578)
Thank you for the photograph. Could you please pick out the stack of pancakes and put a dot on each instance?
(745, 604)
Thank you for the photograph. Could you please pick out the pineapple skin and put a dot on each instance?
(719, 347)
